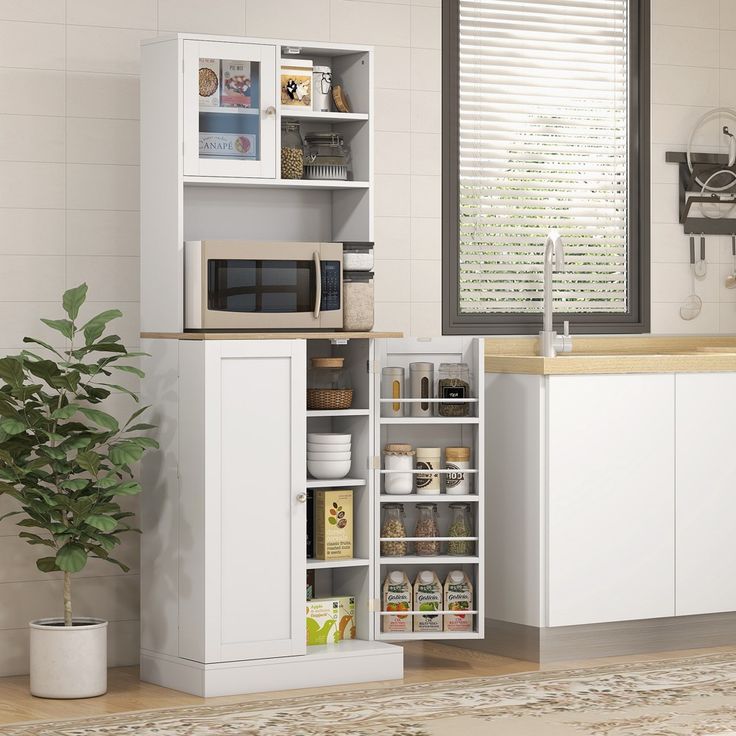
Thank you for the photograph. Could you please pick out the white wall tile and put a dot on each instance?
(357, 21)
(426, 153)
(673, 124)
(32, 232)
(391, 280)
(727, 87)
(112, 13)
(40, 11)
(426, 281)
(672, 282)
(31, 138)
(29, 185)
(426, 238)
(426, 196)
(391, 196)
(392, 237)
(426, 70)
(31, 92)
(100, 233)
(727, 48)
(31, 278)
(664, 206)
(426, 27)
(392, 110)
(393, 316)
(26, 323)
(31, 45)
(270, 19)
(727, 317)
(669, 244)
(102, 187)
(662, 172)
(392, 67)
(700, 14)
(685, 85)
(100, 50)
(426, 112)
(727, 15)
(102, 95)
(426, 319)
(226, 17)
(100, 141)
(110, 278)
(429, 3)
(392, 153)
(666, 320)
(684, 46)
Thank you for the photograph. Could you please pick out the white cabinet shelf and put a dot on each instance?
(437, 498)
(315, 483)
(237, 181)
(429, 420)
(429, 560)
(330, 564)
(338, 412)
(325, 117)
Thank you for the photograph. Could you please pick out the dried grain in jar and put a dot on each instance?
(393, 528)
(427, 526)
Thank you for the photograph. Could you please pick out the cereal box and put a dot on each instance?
(236, 84)
(322, 621)
(333, 525)
(209, 82)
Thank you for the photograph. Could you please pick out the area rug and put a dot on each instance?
(694, 696)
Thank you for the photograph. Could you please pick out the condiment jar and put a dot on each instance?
(357, 300)
(428, 459)
(427, 526)
(393, 527)
(398, 457)
(292, 151)
(421, 386)
(392, 387)
(454, 383)
(461, 525)
(457, 460)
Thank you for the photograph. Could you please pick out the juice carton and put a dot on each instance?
(333, 525)
(346, 617)
(397, 597)
(427, 597)
(458, 597)
(322, 621)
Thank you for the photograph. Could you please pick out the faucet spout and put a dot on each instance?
(554, 259)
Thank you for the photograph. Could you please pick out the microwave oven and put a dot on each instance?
(256, 285)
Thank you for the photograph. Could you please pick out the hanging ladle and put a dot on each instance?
(701, 267)
(691, 307)
(731, 278)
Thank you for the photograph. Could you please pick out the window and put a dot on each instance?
(546, 118)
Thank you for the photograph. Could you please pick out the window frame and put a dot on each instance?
(637, 319)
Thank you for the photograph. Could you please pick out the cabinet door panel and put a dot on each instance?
(610, 498)
(706, 494)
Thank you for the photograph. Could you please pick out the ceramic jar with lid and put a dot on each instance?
(392, 387)
(399, 460)
(428, 461)
(421, 386)
(457, 461)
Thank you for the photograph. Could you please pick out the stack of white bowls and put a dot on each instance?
(328, 455)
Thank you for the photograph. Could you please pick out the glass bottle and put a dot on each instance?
(393, 527)
(292, 151)
(461, 525)
(427, 526)
(454, 383)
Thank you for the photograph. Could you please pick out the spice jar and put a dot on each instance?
(454, 383)
(326, 156)
(461, 525)
(457, 460)
(328, 385)
(292, 152)
(357, 300)
(421, 386)
(398, 457)
(427, 526)
(428, 459)
(393, 527)
(392, 387)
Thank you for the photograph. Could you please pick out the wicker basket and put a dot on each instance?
(329, 398)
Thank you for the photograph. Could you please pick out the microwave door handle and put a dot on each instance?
(318, 289)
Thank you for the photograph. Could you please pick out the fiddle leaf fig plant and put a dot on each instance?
(64, 460)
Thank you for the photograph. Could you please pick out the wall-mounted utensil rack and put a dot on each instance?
(689, 192)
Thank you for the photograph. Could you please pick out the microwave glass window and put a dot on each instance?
(229, 109)
(235, 285)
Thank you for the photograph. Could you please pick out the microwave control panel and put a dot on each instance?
(330, 271)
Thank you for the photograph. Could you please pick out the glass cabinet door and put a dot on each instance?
(229, 109)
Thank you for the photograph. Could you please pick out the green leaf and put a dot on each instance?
(89, 461)
(122, 566)
(75, 484)
(107, 482)
(36, 341)
(73, 299)
(130, 369)
(60, 325)
(137, 413)
(122, 390)
(47, 564)
(101, 418)
(140, 427)
(11, 371)
(129, 488)
(35, 539)
(12, 426)
(125, 453)
(103, 523)
(71, 557)
(44, 369)
(64, 412)
(96, 326)
(145, 442)
(10, 513)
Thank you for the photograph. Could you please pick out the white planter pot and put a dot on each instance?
(68, 661)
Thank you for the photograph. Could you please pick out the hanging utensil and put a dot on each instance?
(691, 307)
(731, 278)
(701, 268)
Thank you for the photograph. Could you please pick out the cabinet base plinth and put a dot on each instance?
(345, 663)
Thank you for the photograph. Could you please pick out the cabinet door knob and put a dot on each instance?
(301, 497)
(270, 110)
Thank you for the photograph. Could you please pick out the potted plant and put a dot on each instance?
(66, 462)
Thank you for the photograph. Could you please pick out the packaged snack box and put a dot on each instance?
(397, 597)
(322, 621)
(427, 597)
(209, 82)
(458, 597)
(333, 524)
(236, 84)
(296, 83)
(346, 617)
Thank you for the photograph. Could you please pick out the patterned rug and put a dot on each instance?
(695, 696)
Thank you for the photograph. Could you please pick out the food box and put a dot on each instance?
(209, 82)
(397, 597)
(333, 524)
(236, 84)
(310, 584)
(330, 620)
(236, 145)
(427, 597)
(296, 83)
(458, 597)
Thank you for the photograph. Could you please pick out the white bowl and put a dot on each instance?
(326, 470)
(330, 457)
(329, 438)
(315, 447)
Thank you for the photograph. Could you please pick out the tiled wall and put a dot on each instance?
(693, 70)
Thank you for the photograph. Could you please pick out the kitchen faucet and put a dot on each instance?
(549, 341)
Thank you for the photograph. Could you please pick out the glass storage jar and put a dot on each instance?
(421, 383)
(457, 461)
(393, 527)
(397, 458)
(392, 387)
(427, 526)
(328, 385)
(292, 151)
(454, 383)
(357, 300)
(428, 461)
(461, 525)
(326, 156)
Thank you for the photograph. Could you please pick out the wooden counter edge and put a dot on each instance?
(268, 335)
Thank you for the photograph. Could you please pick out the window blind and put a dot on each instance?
(543, 143)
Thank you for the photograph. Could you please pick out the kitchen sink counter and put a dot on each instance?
(608, 355)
